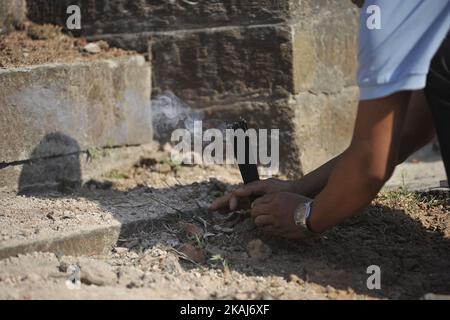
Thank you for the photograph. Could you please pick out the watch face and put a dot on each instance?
(299, 215)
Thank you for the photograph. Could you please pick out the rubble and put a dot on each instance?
(95, 272)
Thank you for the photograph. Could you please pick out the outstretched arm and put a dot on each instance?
(417, 131)
(366, 165)
(359, 173)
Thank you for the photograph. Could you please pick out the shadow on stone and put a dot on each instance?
(54, 164)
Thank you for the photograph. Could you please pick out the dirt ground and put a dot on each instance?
(40, 44)
(192, 254)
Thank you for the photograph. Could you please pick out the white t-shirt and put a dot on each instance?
(397, 56)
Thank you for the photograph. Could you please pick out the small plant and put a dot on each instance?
(117, 175)
(175, 165)
(217, 259)
(199, 242)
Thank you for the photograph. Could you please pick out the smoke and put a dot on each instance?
(170, 113)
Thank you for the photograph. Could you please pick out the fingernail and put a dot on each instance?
(241, 189)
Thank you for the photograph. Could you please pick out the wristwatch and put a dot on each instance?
(302, 216)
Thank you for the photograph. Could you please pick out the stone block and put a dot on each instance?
(223, 64)
(61, 109)
(325, 53)
(323, 125)
(122, 16)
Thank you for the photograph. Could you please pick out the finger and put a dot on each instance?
(233, 203)
(264, 200)
(253, 188)
(263, 221)
(260, 210)
(220, 203)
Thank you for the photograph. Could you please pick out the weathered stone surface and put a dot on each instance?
(228, 64)
(222, 65)
(65, 108)
(206, 53)
(12, 14)
(325, 52)
(106, 17)
(97, 240)
(122, 16)
(323, 125)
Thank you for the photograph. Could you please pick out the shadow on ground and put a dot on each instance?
(408, 240)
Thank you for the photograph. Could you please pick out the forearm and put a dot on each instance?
(366, 165)
(416, 133)
(350, 188)
(313, 183)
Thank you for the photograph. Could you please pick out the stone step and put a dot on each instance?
(63, 108)
(92, 219)
(68, 121)
(94, 230)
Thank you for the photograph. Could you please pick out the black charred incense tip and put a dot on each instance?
(249, 171)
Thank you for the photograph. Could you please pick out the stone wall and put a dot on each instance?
(282, 64)
(98, 104)
(68, 122)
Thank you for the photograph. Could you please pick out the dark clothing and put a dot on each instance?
(437, 91)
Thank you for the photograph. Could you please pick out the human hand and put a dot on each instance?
(274, 213)
(239, 198)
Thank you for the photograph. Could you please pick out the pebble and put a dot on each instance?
(92, 48)
(258, 250)
(120, 250)
(162, 168)
(295, 279)
(95, 272)
(193, 230)
(171, 265)
(167, 147)
(223, 229)
(193, 253)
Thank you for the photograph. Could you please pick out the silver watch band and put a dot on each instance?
(302, 215)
